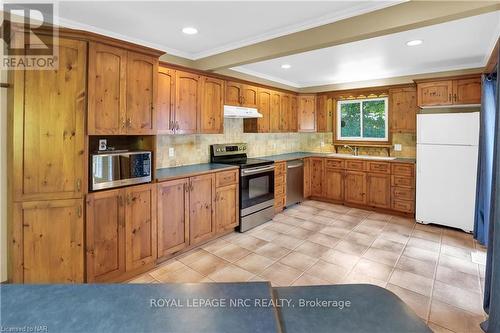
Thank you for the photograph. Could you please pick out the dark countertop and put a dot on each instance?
(297, 155)
(190, 170)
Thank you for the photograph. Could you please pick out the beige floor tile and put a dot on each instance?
(231, 273)
(231, 252)
(388, 258)
(360, 238)
(144, 278)
(367, 230)
(183, 275)
(309, 280)
(360, 278)
(375, 224)
(265, 234)
(346, 260)
(287, 242)
(379, 216)
(388, 245)
(308, 225)
(423, 244)
(350, 218)
(327, 271)
(335, 208)
(429, 228)
(299, 214)
(458, 297)
(420, 254)
(192, 256)
(166, 268)
(373, 269)
(208, 264)
(335, 231)
(322, 219)
(281, 275)
(278, 227)
(358, 212)
(215, 245)
(464, 266)
(457, 278)
(411, 281)
(307, 209)
(417, 302)
(254, 263)
(312, 249)
(403, 221)
(427, 235)
(401, 229)
(323, 239)
(345, 224)
(458, 252)
(351, 247)
(438, 329)
(458, 241)
(328, 213)
(272, 251)
(300, 233)
(206, 280)
(292, 221)
(419, 267)
(249, 242)
(453, 318)
(298, 260)
(394, 236)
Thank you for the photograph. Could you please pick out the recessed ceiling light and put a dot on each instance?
(414, 42)
(286, 66)
(190, 31)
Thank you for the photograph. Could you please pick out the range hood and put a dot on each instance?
(240, 112)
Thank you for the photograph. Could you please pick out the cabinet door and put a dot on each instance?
(334, 184)
(307, 114)
(322, 113)
(212, 106)
(265, 109)
(188, 102)
(227, 208)
(48, 242)
(355, 187)
(293, 120)
(249, 96)
(165, 110)
(107, 94)
(403, 106)
(140, 226)
(317, 172)
(142, 79)
(274, 125)
(435, 93)
(467, 91)
(307, 177)
(378, 190)
(49, 128)
(285, 112)
(201, 208)
(233, 93)
(105, 234)
(173, 216)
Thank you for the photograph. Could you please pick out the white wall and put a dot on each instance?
(3, 178)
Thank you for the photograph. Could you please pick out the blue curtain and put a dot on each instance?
(485, 162)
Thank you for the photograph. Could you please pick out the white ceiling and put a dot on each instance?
(222, 25)
(460, 44)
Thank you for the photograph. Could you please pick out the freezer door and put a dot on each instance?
(446, 185)
(448, 128)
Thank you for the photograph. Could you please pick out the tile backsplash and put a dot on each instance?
(195, 148)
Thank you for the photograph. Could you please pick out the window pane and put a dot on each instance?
(350, 117)
(374, 119)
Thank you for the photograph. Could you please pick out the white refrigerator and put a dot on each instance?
(447, 154)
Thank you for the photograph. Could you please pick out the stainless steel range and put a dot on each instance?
(256, 183)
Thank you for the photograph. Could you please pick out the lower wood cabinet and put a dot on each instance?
(334, 184)
(355, 187)
(317, 171)
(226, 208)
(378, 189)
(202, 207)
(48, 242)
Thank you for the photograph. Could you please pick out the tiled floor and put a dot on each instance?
(428, 267)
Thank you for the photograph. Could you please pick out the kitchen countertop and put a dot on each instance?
(190, 170)
(298, 155)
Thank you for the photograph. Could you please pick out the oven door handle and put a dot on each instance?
(246, 172)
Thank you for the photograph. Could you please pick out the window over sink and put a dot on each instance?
(362, 120)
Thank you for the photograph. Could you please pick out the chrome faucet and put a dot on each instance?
(355, 150)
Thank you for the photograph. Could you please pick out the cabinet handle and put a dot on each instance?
(449, 97)
(123, 123)
(129, 199)
(79, 211)
(455, 97)
(129, 123)
(78, 185)
(120, 200)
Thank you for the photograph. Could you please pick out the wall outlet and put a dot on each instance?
(398, 147)
(171, 152)
(322, 144)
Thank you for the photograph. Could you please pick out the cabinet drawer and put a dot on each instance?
(335, 164)
(226, 178)
(403, 206)
(355, 165)
(403, 169)
(280, 168)
(381, 167)
(403, 181)
(403, 193)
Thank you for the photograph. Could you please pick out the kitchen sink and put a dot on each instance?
(367, 157)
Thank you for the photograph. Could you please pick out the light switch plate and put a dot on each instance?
(171, 152)
(398, 147)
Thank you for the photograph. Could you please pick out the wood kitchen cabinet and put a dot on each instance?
(173, 216)
(307, 177)
(48, 242)
(226, 207)
(306, 113)
(275, 120)
(165, 109)
(403, 109)
(239, 94)
(212, 106)
(378, 190)
(324, 113)
(187, 102)
(279, 186)
(202, 208)
(260, 125)
(285, 110)
(452, 91)
(317, 177)
(293, 116)
(355, 187)
(467, 91)
(334, 184)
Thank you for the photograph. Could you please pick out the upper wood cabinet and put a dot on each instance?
(260, 125)
(275, 120)
(122, 91)
(285, 110)
(173, 216)
(324, 113)
(403, 109)
(165, 109)
(307, 113)
(293, 116)
(48, 121)
(105, 234)
(239, 94)
(201, 208)
(212, 106)
(188, 97)
(47, 241)
(456, 91)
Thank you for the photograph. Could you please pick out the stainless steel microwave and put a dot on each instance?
(120, 169)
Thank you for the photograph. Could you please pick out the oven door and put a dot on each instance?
(256, 189)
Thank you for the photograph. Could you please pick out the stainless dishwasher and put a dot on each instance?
(294, 182)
